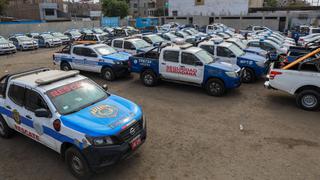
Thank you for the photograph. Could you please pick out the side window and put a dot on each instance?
(179, 35)
(128, 45)
(171, 56)
(208, 48)
(16, 94)
(117, 44)
(77, 51)
(88, 52)
(34, 101)
(148, 40)
(223, 52)
(189, 59)
(253, 44)
(166, 37)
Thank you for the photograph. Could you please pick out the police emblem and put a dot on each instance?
(16, 116)
(104, 111)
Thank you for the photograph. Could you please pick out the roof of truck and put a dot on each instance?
(179, 47)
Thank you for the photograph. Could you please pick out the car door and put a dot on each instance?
(169, 65)
(91, 60)
(77, 58)
(192, 68)
(34, 101)
(19, 119)
(226, 55)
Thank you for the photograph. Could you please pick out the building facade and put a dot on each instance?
(145, 8)
(207, 7)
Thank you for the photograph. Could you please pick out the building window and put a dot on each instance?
(135, 5)
(49, 12)
(199, 2)
(174, 13)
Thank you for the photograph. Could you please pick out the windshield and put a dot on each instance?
(171, 36)
(23, 38)
(205, 57)
(236, 50)
(75, 33)
(105, 50)
(156, 38)
(103, 38)
(97, 30)
(73, 97)
(47, 36)
(3, 40)
(57, 34)
(183, 33)
(140, 44)
(189, 32)
(238, 43)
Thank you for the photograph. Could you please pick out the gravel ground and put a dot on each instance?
(190, 134)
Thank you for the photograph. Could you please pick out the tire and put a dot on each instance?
(308, 100)
(47, 45)
(20, 48)
(248, 75)
(149, 78)
(215, 87)
(77, 164)
(5, 131)
(65, 66)
(108, 74)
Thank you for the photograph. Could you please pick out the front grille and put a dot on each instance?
(125, 135)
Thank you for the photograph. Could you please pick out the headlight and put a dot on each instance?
(232, 74)
(100, 141)
(119, 62)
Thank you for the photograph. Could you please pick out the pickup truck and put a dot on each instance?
(72, 115)
(300, 78)
(98, 58)
(131, 45)
(188, 65)
(254, 66)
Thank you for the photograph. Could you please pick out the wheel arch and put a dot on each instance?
(146, 69)
(213, 77)
(64, 147)
(307, 87)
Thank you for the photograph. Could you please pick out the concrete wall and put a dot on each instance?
(209, 7)
(8, 29)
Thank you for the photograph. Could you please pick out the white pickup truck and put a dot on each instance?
(301, 79)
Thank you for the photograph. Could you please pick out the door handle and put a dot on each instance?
(8, 107)
(163, 63)
(29, 117)
(182, 66)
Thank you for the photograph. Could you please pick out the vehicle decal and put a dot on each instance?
(16, 116)
(27, 132)
(182, 70)
(104, 111)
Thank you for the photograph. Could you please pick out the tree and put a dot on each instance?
(115, 8)
(271, 3)
(3, 4)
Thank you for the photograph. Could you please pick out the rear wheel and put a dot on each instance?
(308, 100)
(65, 66)
(149, 78)
(215, 87)
(47, 45)
(77, 164)
(248, 75)
(108, 74)
(5, 130)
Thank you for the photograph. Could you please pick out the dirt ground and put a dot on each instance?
(190, 134)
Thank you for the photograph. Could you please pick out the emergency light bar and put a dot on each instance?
(57, 77)
(186, 46)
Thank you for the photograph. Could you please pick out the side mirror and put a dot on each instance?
(199, 63)
(42, 113)
(105, 87)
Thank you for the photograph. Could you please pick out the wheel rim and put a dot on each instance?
(65, 68)
(108, 75)
(214, 88)
(246, 75)
(148, 79)
(1, 128)
(76, 164)
(309, 101)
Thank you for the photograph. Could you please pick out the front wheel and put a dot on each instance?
(77, 164)
(215, 87)
(5, 131)
(149, 78)
(65, 66)
(47, 45)
(108, 74)
(308, 100)
(248, 75)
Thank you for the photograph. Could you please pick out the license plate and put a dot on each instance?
(135, 142)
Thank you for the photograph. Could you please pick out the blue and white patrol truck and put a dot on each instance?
(89, 127)
(253, 65)
(98, 58)
(132, 45)
(275, 50)
(188, 65)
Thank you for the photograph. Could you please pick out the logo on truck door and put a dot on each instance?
(182, 70)
(16, 116)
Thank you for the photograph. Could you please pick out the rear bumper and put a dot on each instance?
(101, 157)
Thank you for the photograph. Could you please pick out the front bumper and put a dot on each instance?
(232, 83)
(55, 44)
(27, 47)
(101, 157)
(121, 70)
(8, 50)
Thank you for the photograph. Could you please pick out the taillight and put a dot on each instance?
(273, 74)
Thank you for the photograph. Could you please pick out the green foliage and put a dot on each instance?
(115, 8)
(271, 3)
(3, 4)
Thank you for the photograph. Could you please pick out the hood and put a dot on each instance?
(220, 64)
(115, 112)
(118, 56)
(256, 49)
(145, 49)
(253, 57)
